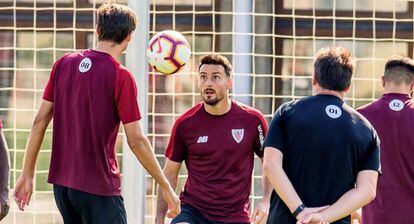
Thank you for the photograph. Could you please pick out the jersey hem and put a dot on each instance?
(100, 193)
(214, 218)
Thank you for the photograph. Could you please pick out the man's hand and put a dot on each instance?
(23, 191)
(356, 216)
(4, 205)
(308, 211)
(260, 213)
(313, 218)
(174, 203)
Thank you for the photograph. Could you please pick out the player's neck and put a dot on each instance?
(329, 92)
(220, 108)
(398, 89)
(110, 48)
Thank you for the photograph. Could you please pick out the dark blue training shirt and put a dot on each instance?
(325, 143)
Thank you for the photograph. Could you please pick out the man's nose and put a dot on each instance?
(209, 81)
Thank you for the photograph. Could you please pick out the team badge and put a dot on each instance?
(238, 134)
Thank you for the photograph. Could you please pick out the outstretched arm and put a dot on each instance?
(171, 171)
(142, 149)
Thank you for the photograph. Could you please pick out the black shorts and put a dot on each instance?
(79, 207)
(191, 215)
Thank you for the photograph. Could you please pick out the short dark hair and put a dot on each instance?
(333, 68)
(399, 69)
(216, 59)
(115, 22)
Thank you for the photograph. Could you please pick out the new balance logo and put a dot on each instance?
(202, 139)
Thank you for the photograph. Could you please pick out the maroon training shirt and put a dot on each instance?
(218, 152)
(91, 93)
(393, 118)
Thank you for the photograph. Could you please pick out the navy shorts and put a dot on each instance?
(191, 215)
(79, 207)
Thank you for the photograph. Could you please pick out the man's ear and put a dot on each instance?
(348, 88)
(229, 82)
(128, 38)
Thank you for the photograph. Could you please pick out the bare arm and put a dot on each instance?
(273, 170)
(267, 186)
(24, 186)
(261, 212)
(40, 123)
(4, 177)
(142, 149)
(171, 171)
(362, 194)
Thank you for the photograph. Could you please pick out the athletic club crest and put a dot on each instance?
(237, 134)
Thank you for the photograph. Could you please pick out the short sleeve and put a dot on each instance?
(48, 93)
(126, 97)
(371, 159)
(275, 135)
(176, 150)
(262, 128)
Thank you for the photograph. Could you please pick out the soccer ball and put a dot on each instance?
(168, 52)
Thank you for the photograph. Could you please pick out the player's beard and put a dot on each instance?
(212, 101)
